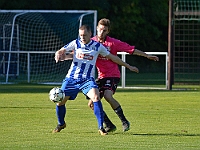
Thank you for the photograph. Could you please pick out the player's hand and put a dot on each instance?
(60, 55)
(155, 58)
(135, 69)
(90, 104)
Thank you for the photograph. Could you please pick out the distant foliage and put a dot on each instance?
(142, 23)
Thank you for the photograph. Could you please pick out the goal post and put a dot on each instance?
(31, 37)
(152, 75)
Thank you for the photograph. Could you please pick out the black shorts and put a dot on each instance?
(109, 83)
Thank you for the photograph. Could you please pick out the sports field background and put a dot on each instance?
(160, 119)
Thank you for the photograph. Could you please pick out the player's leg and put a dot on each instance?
(98, 109)
(108, 95)
(90, 89)
(104, 84)
(61, 108)
(60, 113)
(109, 126)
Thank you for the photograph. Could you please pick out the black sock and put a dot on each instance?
(120, 114)
(107, 121)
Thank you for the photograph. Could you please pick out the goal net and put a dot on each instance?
(186, 42)
(29, 39)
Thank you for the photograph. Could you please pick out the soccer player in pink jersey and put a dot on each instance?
(80, 75)
(109, 74)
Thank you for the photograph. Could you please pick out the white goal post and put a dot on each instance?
(52, 73)
(25, 33)
(29, 39)
(165, 67)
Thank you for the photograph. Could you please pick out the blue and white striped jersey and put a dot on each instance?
(84, 58)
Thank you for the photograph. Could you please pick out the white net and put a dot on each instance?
(28, 40)
(186, 9)
(186, 43)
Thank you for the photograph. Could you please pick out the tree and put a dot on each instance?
(142, 23)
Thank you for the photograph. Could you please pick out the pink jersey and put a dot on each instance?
(106, 67)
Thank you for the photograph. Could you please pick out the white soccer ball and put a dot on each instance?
(56, 95)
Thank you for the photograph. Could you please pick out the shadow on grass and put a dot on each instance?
(160, 134)
(26, 88)
(166, 134)
(16, 107)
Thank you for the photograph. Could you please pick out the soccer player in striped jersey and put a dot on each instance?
(80, 75)
(109, 74)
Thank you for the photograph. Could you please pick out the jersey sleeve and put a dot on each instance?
(103, 50)
(70, 46)
(124, 47)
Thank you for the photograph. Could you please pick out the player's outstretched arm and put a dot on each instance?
(61, 55)
(117, 60)
(133, 68)
(141, 53)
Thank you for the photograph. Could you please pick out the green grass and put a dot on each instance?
(159, 119)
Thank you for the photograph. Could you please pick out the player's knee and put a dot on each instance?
(63, 102)
(95, 98)
(108, 97)
(60, 104)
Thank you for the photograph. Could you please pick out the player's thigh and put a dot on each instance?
(108, 86)
(90, 88)
(71, 90)
(93, 94)
(108, 94)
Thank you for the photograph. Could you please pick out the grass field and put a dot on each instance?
(159, 119)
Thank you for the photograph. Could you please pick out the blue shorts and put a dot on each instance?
(72, 87)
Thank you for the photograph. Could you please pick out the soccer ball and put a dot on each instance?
(56, 95)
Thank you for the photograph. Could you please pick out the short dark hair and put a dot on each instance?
(85, 27)
(105, 22)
